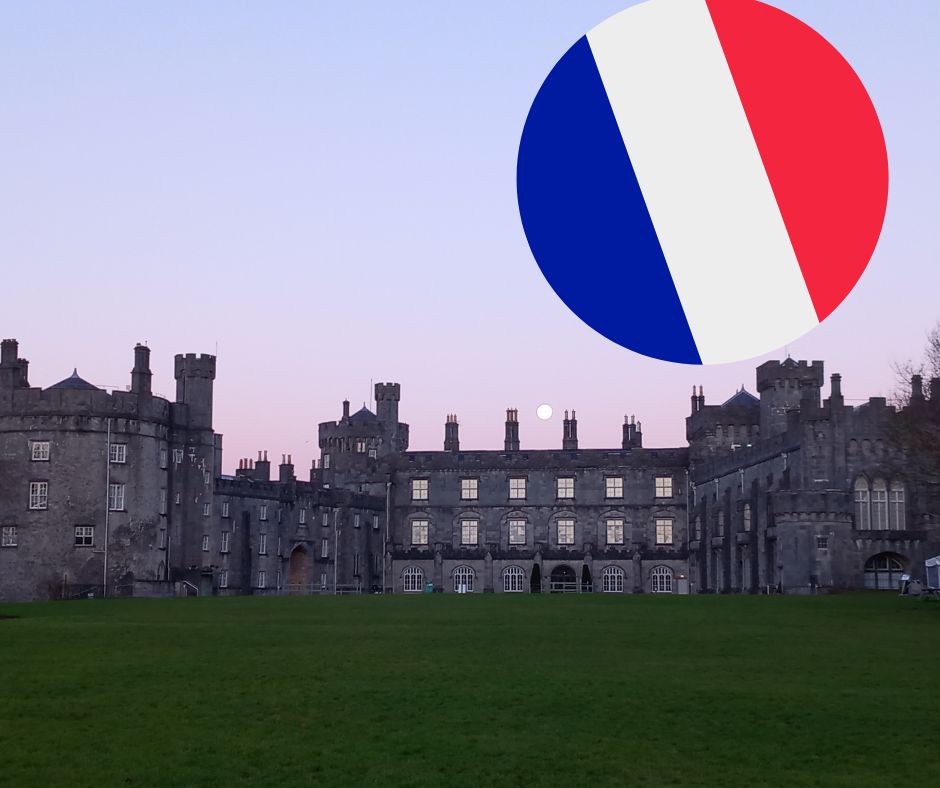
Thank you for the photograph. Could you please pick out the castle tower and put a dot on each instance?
(194, 376)
(451, 433)
(141, 375)
(387, 397)
(14, 371)
(569, 437)
(512, 430)
(786, 385)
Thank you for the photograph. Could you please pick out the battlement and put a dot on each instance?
(774, 374)
(191, 365)
(387, 391)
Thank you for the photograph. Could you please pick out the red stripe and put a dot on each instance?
(818, 136)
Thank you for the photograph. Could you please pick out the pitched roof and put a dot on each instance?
(741, 398)
(75, 382)
(363, 414)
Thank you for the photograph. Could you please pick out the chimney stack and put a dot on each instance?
(569, 438)
(451, 433)
(512, 430)
(345, 408)
(140, 374)
(917, 388)
(262, 468)
(835, 389)
(285, 470)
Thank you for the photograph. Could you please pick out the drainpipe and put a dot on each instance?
(107, 509)
(388, 506)
(335, 546)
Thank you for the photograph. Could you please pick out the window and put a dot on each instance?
(565, 531)
(614, 485)
(898, 519)
(84, 535)
(277, 579)
(40, 451)
(372, 454)
(419, 532)
(517, 532)
(162, 540)
(223, 578)
(177, 456)
(263, 512)
(206, 478)
(513, 579)
(356, 519)
(178, 499)
(39, 495)
(747, 517)
(879, 505)
(565, 487)
(323, 581)
(225, 508)
(419, 489)
(822, 542)
(463, 579)
(163, 457)
(661, 580)
(302, 517)
(862, 504)
(356, 564)
(615, 531)
(326, 462)
(162, 501)
(517, 488)
(883, 572)
(360, 446)
(116, 497)
(375, 522)
(207, 510)
(664, 487)
(613, 580)
(468, 532)
(469, 489)
(663, 530)
(223, 548)
(205, 543)
(262, 579)
(326, 519)
(413, 580)
(8, 536)
(721, 522)
(324, 548)
(262, 544)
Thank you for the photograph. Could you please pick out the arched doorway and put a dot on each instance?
(535, 582)
(298, 571)
(587, 585)
(883, 571)
(563, 580)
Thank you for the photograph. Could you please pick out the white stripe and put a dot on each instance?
(700, 172)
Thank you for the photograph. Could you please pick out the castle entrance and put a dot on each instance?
(298, 571)
(535, 582)
(563, 580)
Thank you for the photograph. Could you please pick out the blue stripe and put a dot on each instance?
(586, 220)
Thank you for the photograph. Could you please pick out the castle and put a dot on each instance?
(122, 493)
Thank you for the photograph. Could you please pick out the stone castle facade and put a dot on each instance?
(122, 493)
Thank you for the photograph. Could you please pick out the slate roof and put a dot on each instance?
(363, 414)
(74, 382)
(742, 398)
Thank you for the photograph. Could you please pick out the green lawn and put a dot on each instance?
(472, 691)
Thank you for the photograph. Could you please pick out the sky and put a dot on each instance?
(323, 194)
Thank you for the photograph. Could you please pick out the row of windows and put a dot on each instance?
(117, 453)
(84, 536)
(564, 488)
(564, 531)
(879, 506)
(39, 496)
(514, 579)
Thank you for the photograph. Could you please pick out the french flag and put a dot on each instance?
(702, 181)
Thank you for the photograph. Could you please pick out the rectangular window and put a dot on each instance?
(225, 508)
(116, 497)
(205, 543)
(517, 488)
(565, 487)
(177, 456)
(419, 531)
(326, 519)
(614, 531)
(566, 532)
(356, 564)
(360, 446)
(223, 578)
(822, 542)
(163, 457)
(207, 510)
(325, 462)
(469, 489)
(224, 546)
(323, 581)
(614, 485)
(262, 544)
(119, 453)
(419, 489)
(162, 542)
(468, 531)
(40, 451)
(162, 501)
(278, 579)
(356, 519)
(8, 536)
(324, 548)
(263, 512)
(262, 578)
(747, 517)
(663, 531)
(84, 535)
(517, 532)
(372, 454)
(664, 487)
(207, 478)
(39, 495)
(178, 499)
(302, 517)
(375, 522)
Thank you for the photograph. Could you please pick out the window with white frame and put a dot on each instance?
(661, 580)
(822, 542)
(162, 501)
(469, 489)
(116, 497)
(8, 536)
(419, 489)
(747, 517)
(862, 504)
(326, 519)
(373, 454)
(207, 478)
(565, 486)
(513, 579)
(177, 456)
(664, 487)
(613, 486)
(898, 517)
(178, 499)
(323, 581)
(302, 517)
(207, 510)
(39, 495)
(612, 578)
(356, 520)
(412, 580)
(565, 531)
(517, 532)
(419, 532)
(375, 522)
(163, 457)
(360, 446)
(162, 539)
(225, 508)
(463, 579)
(614, 530)
(205, 543)
(223, 578)
(224, 545)
(324, 548)
(277, 579)
(262, 578)
(262, 544)
(40, 451)
(326, 462)
(721, 522)
(468, 531)
(879, 505)
(84, 535)
(664, 530)
(263, 512)
(517, 485)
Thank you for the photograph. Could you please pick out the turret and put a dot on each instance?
(512, 430)
(569, 436)
(784, 386)
(451, 433)
(14, 371)
(194, 376)
(140, 374)
(387, 397)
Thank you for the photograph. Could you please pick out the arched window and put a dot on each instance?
(661, 579)
(883, 571)
(463, 578)
(862, 504)
(879, 505)
(897, 514)
(613, 580)
(514, 579)
(413, 579)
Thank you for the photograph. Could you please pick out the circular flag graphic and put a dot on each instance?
(702, 181)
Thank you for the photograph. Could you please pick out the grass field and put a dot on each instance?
(472, 690)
